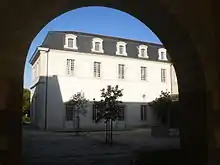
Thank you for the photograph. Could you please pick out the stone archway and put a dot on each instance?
(179, 29)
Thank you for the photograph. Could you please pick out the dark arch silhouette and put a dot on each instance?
(166, 21)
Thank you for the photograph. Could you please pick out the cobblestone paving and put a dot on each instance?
(56, 148)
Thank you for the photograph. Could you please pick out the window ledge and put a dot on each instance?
(124, 54)
(95, 51)
(73, 48)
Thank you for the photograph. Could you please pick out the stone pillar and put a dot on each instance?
(11, 85)
(193, 132)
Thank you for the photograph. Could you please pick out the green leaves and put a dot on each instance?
(109, 106)
(80, 103)
(162, 105)
(26, 101)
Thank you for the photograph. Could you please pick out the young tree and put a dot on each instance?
(26, 101)
(108, 109)
(80, 104)
(162, 106)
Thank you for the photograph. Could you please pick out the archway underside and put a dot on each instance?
(187, 34)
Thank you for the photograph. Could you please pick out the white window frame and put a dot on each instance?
(145, 47)
(163, 77)
(144, 76)
(160, 50)
(100, 41)
(121, 43)
(97, 69)
(70, 36)
(70, 66)
(121, 71)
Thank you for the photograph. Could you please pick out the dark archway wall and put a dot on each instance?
(187, 29)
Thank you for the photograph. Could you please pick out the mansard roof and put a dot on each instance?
(56, 40)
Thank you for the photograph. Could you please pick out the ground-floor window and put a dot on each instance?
(69, 112)
(94, 112)
(122, 113)
(143, 109)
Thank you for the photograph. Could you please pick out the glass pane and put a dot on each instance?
(121, 49)
(142, 52)
(70, 42)
(97, 46)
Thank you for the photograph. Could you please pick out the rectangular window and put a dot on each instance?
(162, 56)
(143, 112)
(121, 49)
(121, 71)
(94, 112)
(97, 69)
(97, 46)
(70, 66)
(163, 75)
(142, 52)
(70, 42)
(143, 73)
(121, 115)
(69, 112)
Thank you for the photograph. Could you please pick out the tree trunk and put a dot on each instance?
(107, 132)
(111, 131)
(78, 123)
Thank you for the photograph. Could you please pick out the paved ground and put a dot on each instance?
(59, 148)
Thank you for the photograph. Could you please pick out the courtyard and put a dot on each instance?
(133, 147)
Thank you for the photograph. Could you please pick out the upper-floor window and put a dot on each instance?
(121, 71)
(142, 51)
(97, 69)
(143, 73)
(97, 45)
(70, 41)
(162, 52)
(121, 48)
(70, 66)
(163, 75)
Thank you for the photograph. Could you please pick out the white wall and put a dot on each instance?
(174, 81)
(62, 86)
(83, 79)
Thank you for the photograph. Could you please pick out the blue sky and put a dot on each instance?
(98, 20)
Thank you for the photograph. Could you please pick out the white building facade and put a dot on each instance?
(71, 62)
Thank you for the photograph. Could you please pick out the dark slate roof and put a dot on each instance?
(56, 40)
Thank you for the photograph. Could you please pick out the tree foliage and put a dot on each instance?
(79, 103)
(26, 101)
(109, 106)
(162, 105)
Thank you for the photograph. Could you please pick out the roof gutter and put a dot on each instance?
(36, 52)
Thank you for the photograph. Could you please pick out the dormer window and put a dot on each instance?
(121, 48)
(97, 45)
(142, 51)
(162, 54)
(70, 41)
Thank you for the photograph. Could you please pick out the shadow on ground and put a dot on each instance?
(159, 157)
(129, 148)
